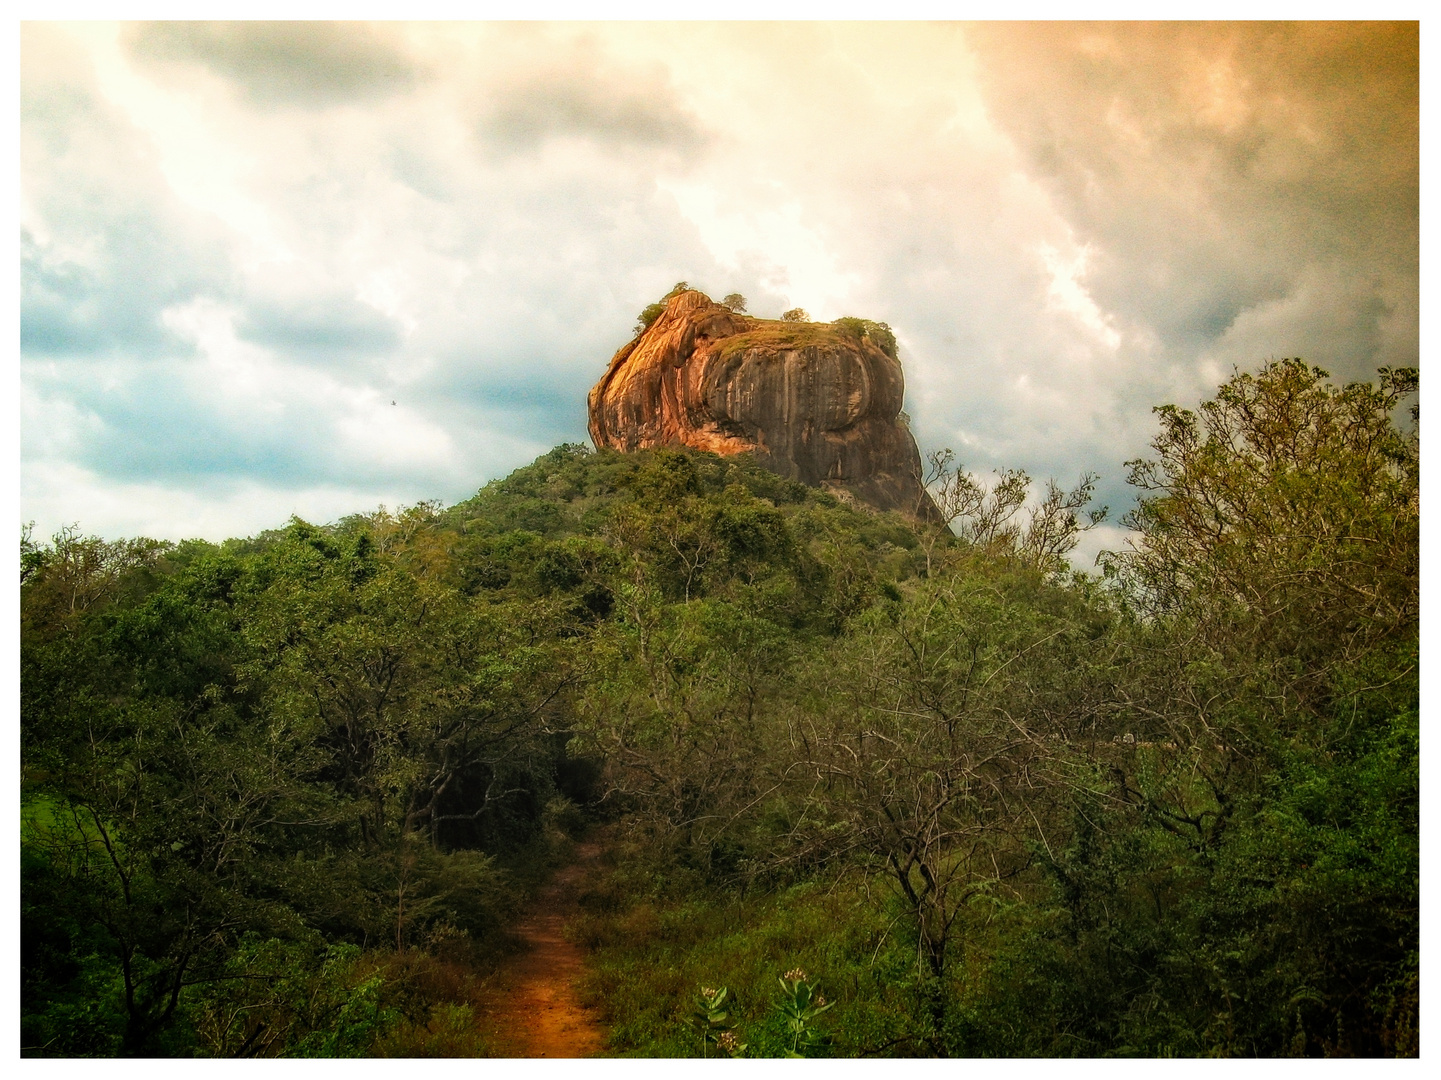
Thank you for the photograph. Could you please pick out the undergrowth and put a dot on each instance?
(651, 950)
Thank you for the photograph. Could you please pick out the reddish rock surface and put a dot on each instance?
(810, 402)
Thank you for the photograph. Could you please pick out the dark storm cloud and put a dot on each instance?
(578, 94)
(1219, 168)
(290, 63)
(568, 106)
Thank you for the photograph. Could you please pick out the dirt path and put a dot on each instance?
(540, 1015)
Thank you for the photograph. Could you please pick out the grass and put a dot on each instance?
(650, 955)
(779, 335)
(442, 1004)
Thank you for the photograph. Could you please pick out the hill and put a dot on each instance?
(284, 795)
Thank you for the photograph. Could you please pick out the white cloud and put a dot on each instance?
(1068, 294)
(60, 494)
(247, 385)
(204, 169)
(806, 270)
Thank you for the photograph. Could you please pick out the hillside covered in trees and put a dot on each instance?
(283, 795)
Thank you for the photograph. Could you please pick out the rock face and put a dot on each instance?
(812, 402)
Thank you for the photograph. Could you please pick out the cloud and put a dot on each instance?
(57, 494)
(543, 87)
(565, 104)
(103, 250)
(1065, 224)
(108, 300)
(311, 64)
(1213, 168)
(310, 328)
(232, 410)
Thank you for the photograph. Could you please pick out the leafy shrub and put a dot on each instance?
(292, 999)
(877, 333)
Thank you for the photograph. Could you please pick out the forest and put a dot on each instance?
(870, 787)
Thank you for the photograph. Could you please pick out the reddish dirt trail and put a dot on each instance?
(539, 1015)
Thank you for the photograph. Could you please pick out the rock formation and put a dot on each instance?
(815, 402)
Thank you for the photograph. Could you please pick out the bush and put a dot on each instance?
(652, 312)
(877, 333)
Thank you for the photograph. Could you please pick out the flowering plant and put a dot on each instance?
(709, 1018)
(800, 1003)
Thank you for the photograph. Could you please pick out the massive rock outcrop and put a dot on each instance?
(815, 402)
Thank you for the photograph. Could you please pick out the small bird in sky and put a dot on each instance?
(392, 403)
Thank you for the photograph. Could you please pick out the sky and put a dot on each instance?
(313, 268)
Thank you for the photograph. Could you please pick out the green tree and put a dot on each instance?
(878, 334)
(988, 518)
(652, 312)
(928, 738)
(1288, 502)
(1264, 779)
